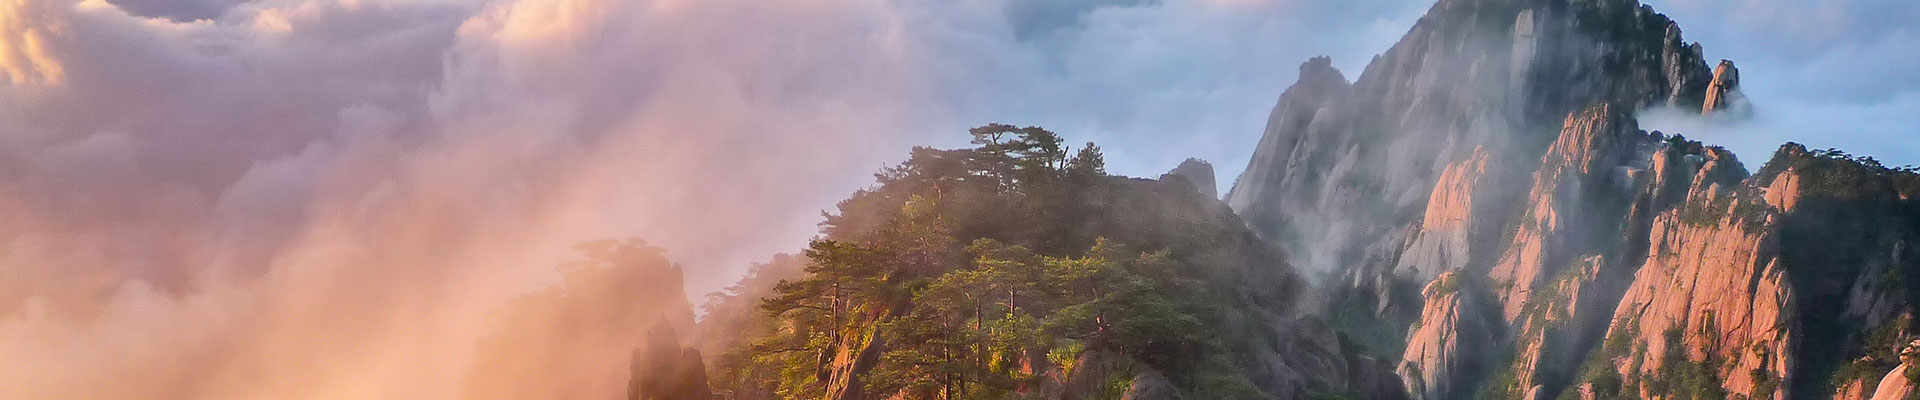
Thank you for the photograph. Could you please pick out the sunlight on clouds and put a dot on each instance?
(272, 21)
(25, 56)
(328, 199)
(564, 22)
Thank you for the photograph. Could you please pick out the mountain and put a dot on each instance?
(1019, 269)
(1481, 204)
(1197, 172)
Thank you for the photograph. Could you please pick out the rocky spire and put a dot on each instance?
(1723, 93)
(1342, 167)
(1197, 172)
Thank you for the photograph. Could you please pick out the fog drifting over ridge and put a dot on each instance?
(331, 199)
(327, 198)
(1821, 73)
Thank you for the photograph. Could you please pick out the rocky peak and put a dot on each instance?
(1705, 280)
(1319, 72)
(1453, 343)
(1342, 168)
(1579, 194)
(1723, 92)
(1197, 172)
(1595, 139)
(1444, 238)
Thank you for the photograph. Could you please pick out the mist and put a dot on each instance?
(1827, 74)
(227, 199)
(345, 199)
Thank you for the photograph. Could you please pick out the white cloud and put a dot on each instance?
(325, 198)
(1822, 73)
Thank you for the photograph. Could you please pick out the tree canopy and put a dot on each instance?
(972, 273)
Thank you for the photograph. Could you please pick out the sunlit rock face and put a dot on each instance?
(1666, 269)
(1558, 268)
(1417, 166)
(1443, 241)
(1453, 341)
(1580, 191)
(1712, 291)
(1342, 166)
(1723, 93)
(1494, 153)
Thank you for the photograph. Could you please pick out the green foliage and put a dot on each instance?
(1502, 384)
(1682, 378)
(1601, 367)
(1706, 213)
(1115, 387)
(1836, 174)
(981, 269)
(1448, 285)
(732, 323)
(1088, 162)
(1765, 384)
(1882, 349)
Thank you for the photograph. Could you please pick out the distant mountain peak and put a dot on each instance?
(1492, 157)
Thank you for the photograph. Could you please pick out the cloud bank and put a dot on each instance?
(219, 199)
(334, 198)
(1822, 73)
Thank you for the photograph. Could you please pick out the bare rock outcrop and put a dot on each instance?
(1711, 296)
(1895, 386)
(1362, 181)
(1577, 201)
(1624, 262)
(1444, 238)
(1089, 371)
(1197, 172)
(1899, 384)
(1773, 286)
(1407, 171)
(1342, 166)
(1312, 360)
(844, 366)
(1150, 385)
(1451, 345)
(1723, 93)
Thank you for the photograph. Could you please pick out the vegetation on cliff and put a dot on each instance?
(994, 271)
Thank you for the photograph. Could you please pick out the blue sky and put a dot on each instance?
(1153, 81)
(1823, 73)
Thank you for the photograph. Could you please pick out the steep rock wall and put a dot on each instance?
(1341, 168)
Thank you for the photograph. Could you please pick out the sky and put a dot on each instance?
(243, 186)
(1827, 74)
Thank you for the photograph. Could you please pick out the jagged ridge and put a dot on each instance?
(1627, 263)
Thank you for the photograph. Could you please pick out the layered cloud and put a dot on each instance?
(1823, 73)
(332, 198)
(329, 198)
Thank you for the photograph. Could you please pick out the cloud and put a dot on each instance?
(178, 10)
(1822, 73)
(329, 198)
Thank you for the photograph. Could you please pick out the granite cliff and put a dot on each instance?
(1481, 203)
